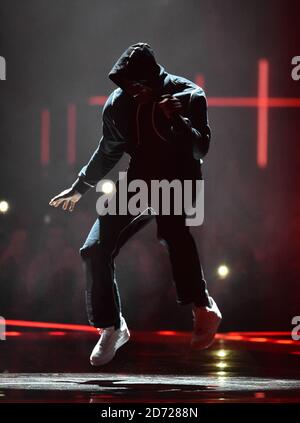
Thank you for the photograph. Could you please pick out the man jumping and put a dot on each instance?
(160, 120)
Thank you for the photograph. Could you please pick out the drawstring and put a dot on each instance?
(137, 124)
(153, 124)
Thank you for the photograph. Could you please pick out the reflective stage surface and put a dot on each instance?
(54, 367)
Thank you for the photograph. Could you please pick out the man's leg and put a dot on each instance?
(189, 279)
(185, 263)
(106, 237)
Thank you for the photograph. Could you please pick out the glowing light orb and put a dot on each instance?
(223, 271)
(4, 206)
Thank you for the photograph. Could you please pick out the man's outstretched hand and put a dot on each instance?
(67, 198)
(170, 105)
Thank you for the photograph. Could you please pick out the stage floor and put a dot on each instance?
(152, 367)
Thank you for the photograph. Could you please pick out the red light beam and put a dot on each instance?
(45, 137)
(263, 112)
(71, 137)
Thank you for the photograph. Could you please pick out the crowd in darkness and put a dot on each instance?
(41, 275)
(42, 278)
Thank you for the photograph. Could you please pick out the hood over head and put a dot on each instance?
(138, 63)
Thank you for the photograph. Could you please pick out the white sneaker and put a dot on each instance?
(110, 340)
(206, 322)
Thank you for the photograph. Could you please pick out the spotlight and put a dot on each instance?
(221, 365)
(223, 271)
(4, 206)
(221, 353)
(108, 187)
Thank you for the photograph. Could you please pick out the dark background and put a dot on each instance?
(60, 52)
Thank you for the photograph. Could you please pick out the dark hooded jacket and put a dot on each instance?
(159, 147)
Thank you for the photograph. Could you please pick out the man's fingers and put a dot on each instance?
(65, 204)
(170, 100)
(170, 105)
(165, 100)
(55, 203)
(54, 200)
(71, 206)
(167, 103)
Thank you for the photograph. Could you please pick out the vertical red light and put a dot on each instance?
(71, 136)
(263, 112)
(199, 80)
(45, 137)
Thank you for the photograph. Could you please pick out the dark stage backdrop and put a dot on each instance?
(58, 55)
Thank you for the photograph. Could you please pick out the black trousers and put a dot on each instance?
(109, 233)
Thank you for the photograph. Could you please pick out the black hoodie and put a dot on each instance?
(186, 139)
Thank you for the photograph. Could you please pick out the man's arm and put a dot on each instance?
(109, 151)
(107, 154)
(195, 129)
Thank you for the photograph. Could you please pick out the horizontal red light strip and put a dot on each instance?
(229, 101)
(253, 102)
(283, 102)
(46, 325)
(244, 338)
(261, 333)
(57, 333)
(167, 332)
(12, 333)
(230, 336)
(97, 100)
